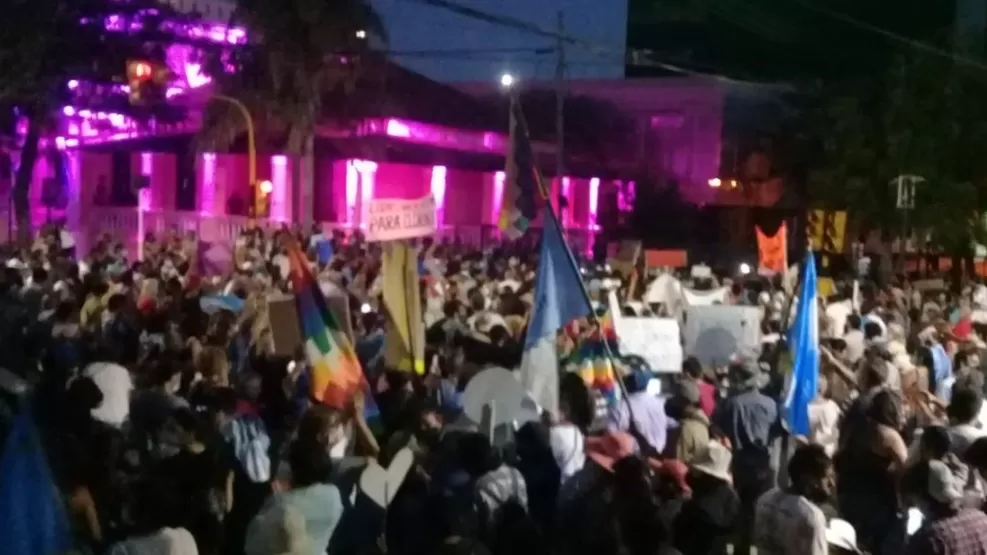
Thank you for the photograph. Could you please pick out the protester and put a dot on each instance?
(790, 522)
(182, 413)
(949, 529)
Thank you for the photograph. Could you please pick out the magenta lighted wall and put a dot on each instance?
(403, 181)
(464, 197)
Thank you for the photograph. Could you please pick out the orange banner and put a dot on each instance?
(772, 252)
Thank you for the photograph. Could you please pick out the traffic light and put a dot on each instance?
(147, 81)
(262, 199)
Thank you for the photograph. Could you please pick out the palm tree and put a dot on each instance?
(298, 52)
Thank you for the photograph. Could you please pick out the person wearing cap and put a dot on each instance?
(948, 528)
(789, 521)
(748, 419)
(708, 519)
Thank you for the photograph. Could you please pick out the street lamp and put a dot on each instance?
(507, 80)
(361, 34)
(905, 202)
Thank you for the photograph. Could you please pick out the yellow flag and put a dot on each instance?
(404, 342)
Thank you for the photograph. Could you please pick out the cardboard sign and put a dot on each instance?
(626, 257)
(286, 327)
(381, 484)
(391, 219)
(656, 340)
(713, 334)
(657, 258)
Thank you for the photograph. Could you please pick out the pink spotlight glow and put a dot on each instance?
(73, 84)
(594, 198)
(352, 187)
(438, 187)
(143, 202)
(279, 197)
(208, 185)
(194, 76)
(147, 163)
(68, 111)
(500, 178)
(566, 214)
(60, 143)
(397, 129)
(368, 171)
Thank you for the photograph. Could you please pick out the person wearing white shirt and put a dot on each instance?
(964, 412)
(824, 419)
(789, 521)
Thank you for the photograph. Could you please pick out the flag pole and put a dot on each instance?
(593, 318)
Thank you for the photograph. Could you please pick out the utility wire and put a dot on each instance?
(636, 56)
(892, 36)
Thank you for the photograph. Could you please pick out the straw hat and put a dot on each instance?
(713, 460)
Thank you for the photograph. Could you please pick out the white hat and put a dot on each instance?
(713, 460)
(841, 534)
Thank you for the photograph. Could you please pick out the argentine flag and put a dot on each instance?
(803, 344)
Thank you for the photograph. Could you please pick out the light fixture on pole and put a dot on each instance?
(507, 80)
(905, 201)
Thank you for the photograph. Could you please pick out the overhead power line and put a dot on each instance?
(891, 35)
(634, 56)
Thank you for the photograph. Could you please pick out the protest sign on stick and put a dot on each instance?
(391, 219)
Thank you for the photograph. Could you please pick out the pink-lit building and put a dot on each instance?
(420, 138)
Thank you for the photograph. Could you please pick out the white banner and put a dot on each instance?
(714, 334)
(705, 298)
(656, 340)
(391, 219)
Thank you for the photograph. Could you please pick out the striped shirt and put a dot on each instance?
(248, 437)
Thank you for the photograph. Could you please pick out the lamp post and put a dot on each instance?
(251, 144)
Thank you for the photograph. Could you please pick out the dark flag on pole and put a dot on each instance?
(523, 197)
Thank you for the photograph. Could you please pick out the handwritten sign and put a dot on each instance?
(656, 340)
(391, 219)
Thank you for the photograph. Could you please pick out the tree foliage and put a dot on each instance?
(299, 53)
(46, 43)
(925, 116)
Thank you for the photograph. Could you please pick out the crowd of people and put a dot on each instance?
(177, 427)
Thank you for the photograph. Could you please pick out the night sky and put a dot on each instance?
(414, 27)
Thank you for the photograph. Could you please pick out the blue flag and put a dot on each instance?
(803, 343)
(559, 297)
(32, 515)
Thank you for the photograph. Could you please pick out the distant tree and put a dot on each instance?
(925, 117)
(302, 56)
(46, 43)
